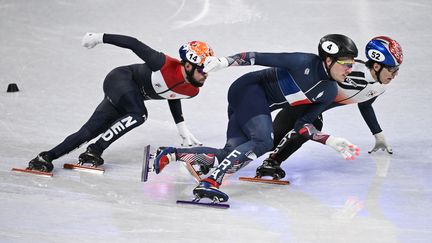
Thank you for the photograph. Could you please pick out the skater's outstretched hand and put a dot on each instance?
(212, 63)
(343, 147)
(90, 40)
(187, 138)
(380, 143)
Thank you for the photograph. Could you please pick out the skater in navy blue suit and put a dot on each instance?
(367, 81)
(293, 79)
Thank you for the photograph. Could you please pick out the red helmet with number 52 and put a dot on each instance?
(195, 52)
(384, 50)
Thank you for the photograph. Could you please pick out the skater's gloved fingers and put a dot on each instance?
(381, 144)
(90, 40)
(188, 139)
(354, 150)
(372, 150)
(212, 63)
(382, 147)
(349, 151)
(187, 142)
(347, 155)
(195, 141)
(343, 147)
(389, 150)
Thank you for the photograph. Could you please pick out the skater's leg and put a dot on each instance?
(238, 158)
(250, 113)
(255, 124)
(234, 135)
(259, 131)
(98, 122)
(283, 123)
(289, 144)
(124, 94)
(117, 83)
(135, 113)
(205, 157)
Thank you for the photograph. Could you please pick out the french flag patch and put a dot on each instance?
(290, 89)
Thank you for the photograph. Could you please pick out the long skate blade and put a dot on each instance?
(269, 181)
(214, 205)
(34, 172)
(145, 168)
(84, 168)
(192, 171)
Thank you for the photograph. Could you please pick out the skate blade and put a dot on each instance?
(269, 181)
(146, 167)
(84, 168)
(34, 172)
(198, 203)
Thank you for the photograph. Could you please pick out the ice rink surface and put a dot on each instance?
(377, 198)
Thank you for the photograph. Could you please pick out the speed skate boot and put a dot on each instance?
(91, 156)
(209, 188)
(42, 162)
(164, 155)
(271, 168)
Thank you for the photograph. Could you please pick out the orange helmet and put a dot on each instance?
(195, 52)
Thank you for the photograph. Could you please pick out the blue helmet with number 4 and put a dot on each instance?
(195, 52)
(384, 50)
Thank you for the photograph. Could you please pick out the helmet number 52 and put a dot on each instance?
(376, 55)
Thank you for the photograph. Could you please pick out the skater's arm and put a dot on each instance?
(314, 110)
(282, 60)
(371, 120)
(368, 114)
(344, 147)
(305, 128)
(154, 59)
(287, 61)
(304, 125)
(187, 138)
(176, 110)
